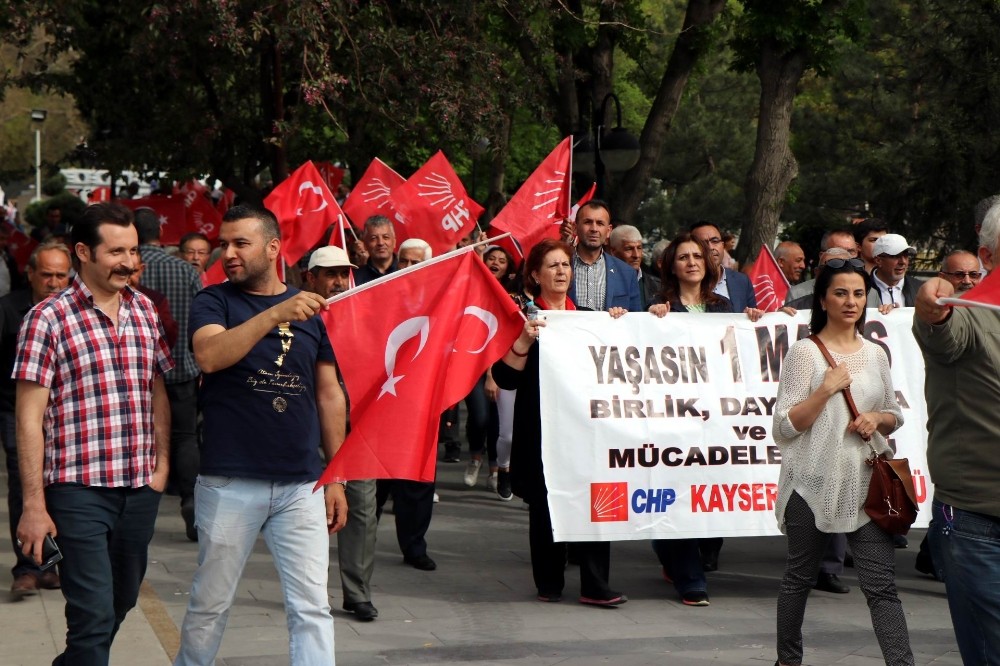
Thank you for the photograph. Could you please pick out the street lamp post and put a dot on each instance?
(616, 150)
(38, 116)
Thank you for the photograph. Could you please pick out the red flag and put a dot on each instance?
(409, 345)
(305, 209)
(770, 286)
(370, 195)
(333, 176)
(201, 215)
(170, 210)
(587, 196)
(225, 202)
(20, 246)
(539, 206)
(216, 274)
(435, 206)
(986, 294)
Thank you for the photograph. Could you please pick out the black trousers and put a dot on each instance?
(413, 503)
(548, 558)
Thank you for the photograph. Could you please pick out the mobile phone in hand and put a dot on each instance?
(50, 553)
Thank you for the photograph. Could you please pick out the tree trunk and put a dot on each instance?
(691, 44)
(272, 102)
(774, 166)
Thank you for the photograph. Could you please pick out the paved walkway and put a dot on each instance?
(479, 607)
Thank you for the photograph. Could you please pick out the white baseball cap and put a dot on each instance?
(892, 244)
(330, 256)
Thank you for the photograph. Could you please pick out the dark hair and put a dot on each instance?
(670, 289)
(194, 235)
(826, 274)
(533, 261)
(507, 279)
(147, 225)
(865, 227)
(268, 222)
(596, 203)
(704, 223)
(87, 229)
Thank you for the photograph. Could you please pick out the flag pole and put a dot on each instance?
(415, 267)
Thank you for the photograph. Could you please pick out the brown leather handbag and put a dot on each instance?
(891, 501)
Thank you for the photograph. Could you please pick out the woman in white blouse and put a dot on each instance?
(824, 478)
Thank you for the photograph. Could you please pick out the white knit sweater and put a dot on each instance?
(825, 464)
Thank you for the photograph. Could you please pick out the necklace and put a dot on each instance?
(286, 335)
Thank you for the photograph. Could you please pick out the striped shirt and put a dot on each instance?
(98, 423)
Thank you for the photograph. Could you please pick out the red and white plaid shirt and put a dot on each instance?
(98, 423)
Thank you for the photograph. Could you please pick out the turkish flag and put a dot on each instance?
(408, 346)
(539, 206)
(370, 195)
(986, 294)
(770, 285)
(435, 206)
(20, 246)
(305, 209)
(333, 176)
(201, 215)
(170, 210)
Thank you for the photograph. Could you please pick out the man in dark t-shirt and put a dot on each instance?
(270, 399)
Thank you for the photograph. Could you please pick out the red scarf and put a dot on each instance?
(542, 305)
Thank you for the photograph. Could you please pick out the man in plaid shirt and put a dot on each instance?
(93, 431)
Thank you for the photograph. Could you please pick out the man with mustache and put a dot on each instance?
(601, 281)
(890, 286)
(93, 431)
(48, 273)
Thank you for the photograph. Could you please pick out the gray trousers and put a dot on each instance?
(875, 563)
(356, 542)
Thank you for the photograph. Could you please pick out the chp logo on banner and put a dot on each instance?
(371, 195)
(539, 206)
(305, 209)
(770, 286)
(409, 345)
(608, 502)
(171, 212)
(435, 205)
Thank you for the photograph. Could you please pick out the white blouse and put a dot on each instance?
(825, 464)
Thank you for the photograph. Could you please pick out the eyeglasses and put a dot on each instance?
(961, 275)
(196, 253)
(856, 264)
(714, 240)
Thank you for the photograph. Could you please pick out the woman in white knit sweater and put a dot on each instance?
(824, 478)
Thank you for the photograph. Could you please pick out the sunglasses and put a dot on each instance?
(856, 264)
(961, 275)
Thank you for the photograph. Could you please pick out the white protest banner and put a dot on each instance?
(661, 428)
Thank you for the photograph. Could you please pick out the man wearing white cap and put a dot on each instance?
(890, 286)
(329, 272)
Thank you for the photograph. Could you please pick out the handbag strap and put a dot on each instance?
(847, 389)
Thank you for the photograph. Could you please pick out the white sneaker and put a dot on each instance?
(437, 498)
(472, 472)
(491, 481)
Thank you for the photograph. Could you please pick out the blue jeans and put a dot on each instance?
(230, 513)
(104, 535)
(965, 548)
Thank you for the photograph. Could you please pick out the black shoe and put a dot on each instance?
(363, 610)
(695, 599)
(452, 455)
(504, 491)
(422, 562)
(899, 541)
(828, 582)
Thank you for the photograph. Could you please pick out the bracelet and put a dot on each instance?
(517, 353)
(340, 481)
